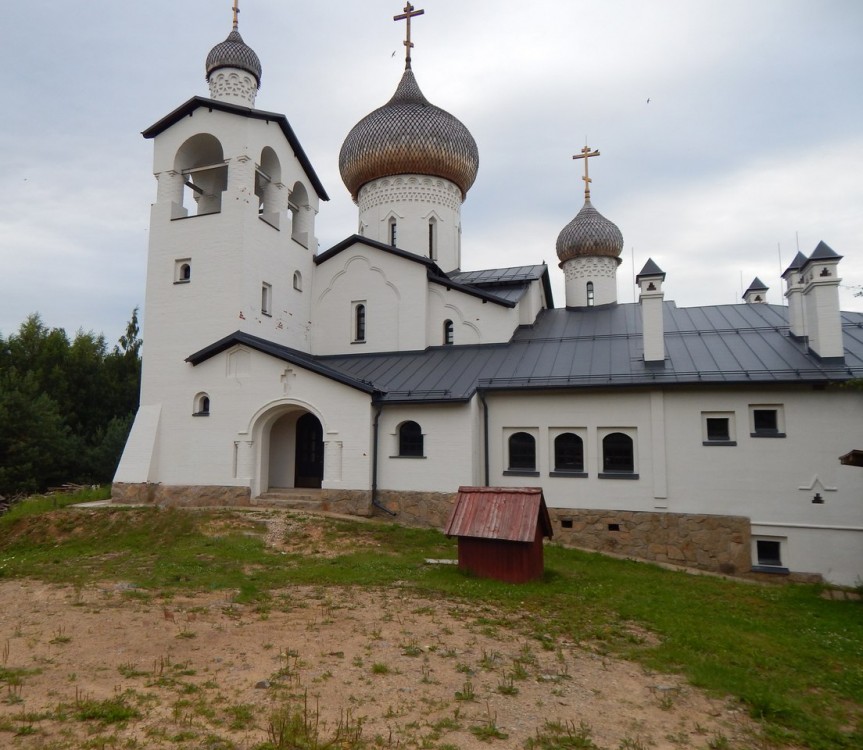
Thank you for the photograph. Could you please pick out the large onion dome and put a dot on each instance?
(408, 135)
(234, 53)
(589, 234)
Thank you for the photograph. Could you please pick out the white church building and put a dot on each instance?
(377, 376)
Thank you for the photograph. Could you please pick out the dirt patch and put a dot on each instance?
(204, 672)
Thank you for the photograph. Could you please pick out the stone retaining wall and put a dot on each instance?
(716, 543)
(181, 496)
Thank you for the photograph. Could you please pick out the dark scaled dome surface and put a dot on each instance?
(589, 234)
(408, 135)
(234, 53)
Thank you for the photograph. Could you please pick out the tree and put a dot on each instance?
(65, 407)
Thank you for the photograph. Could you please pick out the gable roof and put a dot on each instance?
(196, 102)
(507, 513)
(434, 274)
(278, 351)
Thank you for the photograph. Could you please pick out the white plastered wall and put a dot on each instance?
(248, 392)
(449, 438)
(771, 480)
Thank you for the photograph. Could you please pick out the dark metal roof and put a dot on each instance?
(234, 53)
(507, 513)
(509, 283)
(650, 269)
(284, 353)
(602, 347)
(188, 109)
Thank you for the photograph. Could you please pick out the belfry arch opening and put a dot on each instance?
(295, 451)
(268, 183)
(200, 162)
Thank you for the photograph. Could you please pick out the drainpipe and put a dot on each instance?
(484, 432)
(378, 409)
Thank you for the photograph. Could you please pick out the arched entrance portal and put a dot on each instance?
(296, 451)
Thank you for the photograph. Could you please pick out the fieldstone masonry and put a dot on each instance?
(714, 543)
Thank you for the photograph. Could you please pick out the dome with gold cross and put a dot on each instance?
(234, 53)
(589, 234)
(408, 135)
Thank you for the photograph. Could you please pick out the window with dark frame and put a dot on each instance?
(522, 452)
(393, 232)
(617, 454)
(718, 428)
(360, 323)
(568, 452)
(590, 294)
(765, 421)
(768, 552)
(410, 440)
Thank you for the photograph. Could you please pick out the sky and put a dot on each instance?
(730, 131)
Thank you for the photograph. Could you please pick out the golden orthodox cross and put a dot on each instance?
(406, 16)
(236, 14)
(585, 154)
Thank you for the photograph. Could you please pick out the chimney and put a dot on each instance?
(756, 294)
(821, 303)
(794, 295)
(649, 282)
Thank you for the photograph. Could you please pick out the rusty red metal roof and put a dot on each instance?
(508, 513)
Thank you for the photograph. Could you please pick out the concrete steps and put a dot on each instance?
(293, 498)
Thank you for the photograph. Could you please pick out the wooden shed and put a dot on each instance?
(500, 532)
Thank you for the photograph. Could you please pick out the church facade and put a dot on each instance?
(377, 376)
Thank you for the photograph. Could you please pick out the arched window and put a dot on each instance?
(447, 332)
(360, 322)
(617, 453)
(298, 281)
(590, 295)
(182, 271)
(393, 231)
(410, 439)
(568, 452)
(433, 238)
(201, 406)
(522, 452)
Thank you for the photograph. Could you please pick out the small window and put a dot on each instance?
(393, 227)
(618, 456)
(359, 323)
(767, 554)
(767, 421)
(433, 238)
(590, 295)
(717, 428)
(568, 453)
(266, 299)
(522, 452)
(298, 281)
(183, 271)
(447, 332)
(410, 440)
(201, 406)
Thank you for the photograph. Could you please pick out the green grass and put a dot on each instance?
(793, 659)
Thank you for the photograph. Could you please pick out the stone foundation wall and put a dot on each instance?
(181, 496)
(719, 544)
(348, 502)
(430, 509)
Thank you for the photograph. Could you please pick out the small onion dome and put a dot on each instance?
(589, 234)
(408, 135)
(234, 53)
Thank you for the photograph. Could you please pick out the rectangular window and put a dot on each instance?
(717, 428)
(768, 553)
(766, 420)
(266, 299)
(183, 271)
